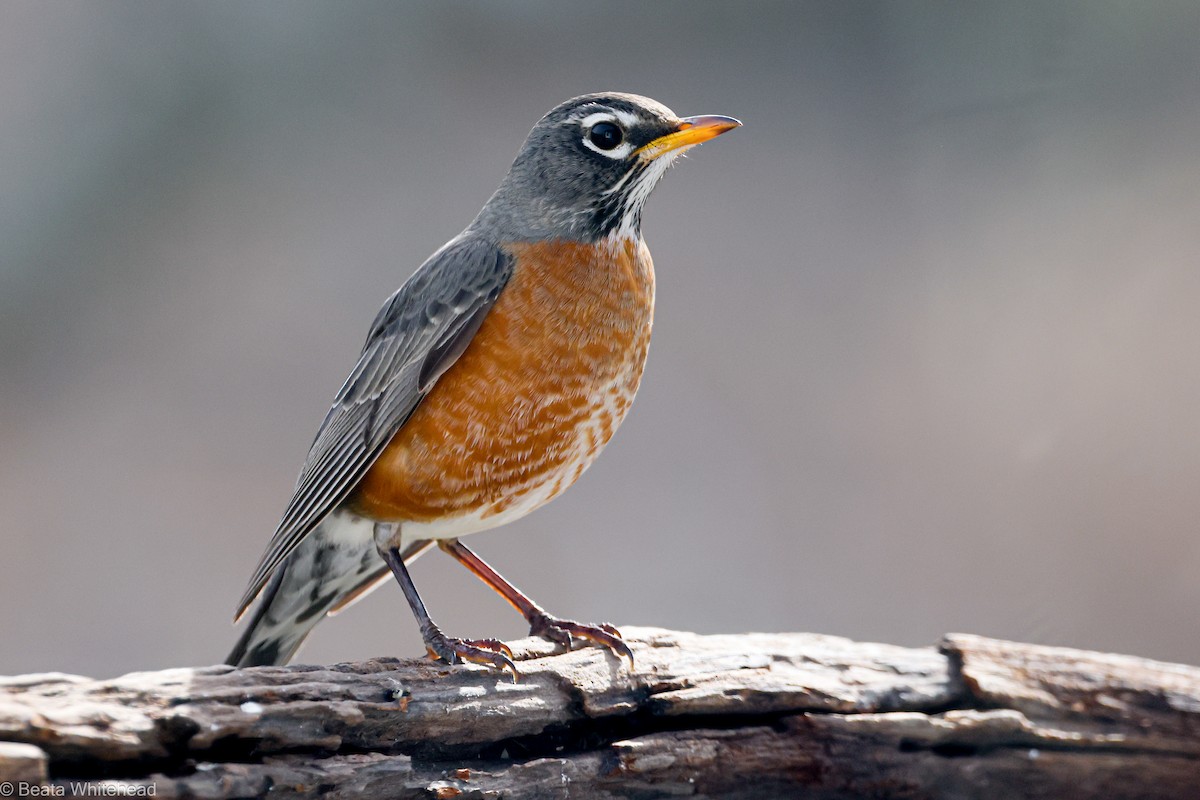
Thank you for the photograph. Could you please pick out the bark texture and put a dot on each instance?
(737, 716)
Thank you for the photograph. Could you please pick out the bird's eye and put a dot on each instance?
(605, 135)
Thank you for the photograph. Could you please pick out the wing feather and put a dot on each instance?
(418, 334)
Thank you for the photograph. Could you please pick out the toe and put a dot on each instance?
(606, 636)
(493, 658)
(488, 652)
(494, 645)
(551, 630)
(562, 631)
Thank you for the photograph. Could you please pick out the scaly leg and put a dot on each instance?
(439, 645)
(540, 623)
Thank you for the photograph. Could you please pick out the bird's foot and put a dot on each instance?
(489, 652)
(562, 631)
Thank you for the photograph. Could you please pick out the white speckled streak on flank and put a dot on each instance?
(613, 401)
(325, 566)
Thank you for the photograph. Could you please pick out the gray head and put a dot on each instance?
(588, 166)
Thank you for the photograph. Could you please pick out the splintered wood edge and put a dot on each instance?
(714, 714)
(1134, 702)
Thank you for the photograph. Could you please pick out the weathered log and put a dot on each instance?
(751, 715)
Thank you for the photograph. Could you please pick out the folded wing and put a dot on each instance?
(418, 334)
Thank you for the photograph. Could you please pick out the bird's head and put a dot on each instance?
(588, 166)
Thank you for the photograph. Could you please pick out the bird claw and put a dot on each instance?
(562, 631)
(489, 652)
(489, 644)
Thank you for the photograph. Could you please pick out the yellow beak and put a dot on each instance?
(690, 131)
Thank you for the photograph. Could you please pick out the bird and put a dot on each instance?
(488, 382)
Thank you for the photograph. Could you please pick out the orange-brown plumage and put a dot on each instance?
(487, 384)
(534, 398)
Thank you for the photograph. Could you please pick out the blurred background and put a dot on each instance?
(925, 357)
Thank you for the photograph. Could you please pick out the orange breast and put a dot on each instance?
(535, 396)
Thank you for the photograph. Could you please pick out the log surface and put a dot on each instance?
(732, 716)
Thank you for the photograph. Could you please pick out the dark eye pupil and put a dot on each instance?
(605, 135)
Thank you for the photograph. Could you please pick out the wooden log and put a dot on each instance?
(749, 715)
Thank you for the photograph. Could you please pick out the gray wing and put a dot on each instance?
(421, 330)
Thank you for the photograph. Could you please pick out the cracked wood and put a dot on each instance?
(747, 715)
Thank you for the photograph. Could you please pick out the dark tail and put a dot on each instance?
(335, 565)
(266, 641)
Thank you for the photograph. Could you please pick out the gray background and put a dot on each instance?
(925, 356)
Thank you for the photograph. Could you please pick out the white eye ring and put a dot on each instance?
(619, 152)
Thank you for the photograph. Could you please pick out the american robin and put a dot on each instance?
(488, 383)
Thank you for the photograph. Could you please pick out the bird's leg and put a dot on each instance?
(439, 645)
(541, 623)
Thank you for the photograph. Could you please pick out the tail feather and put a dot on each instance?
(334, 566)
(262, 643)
